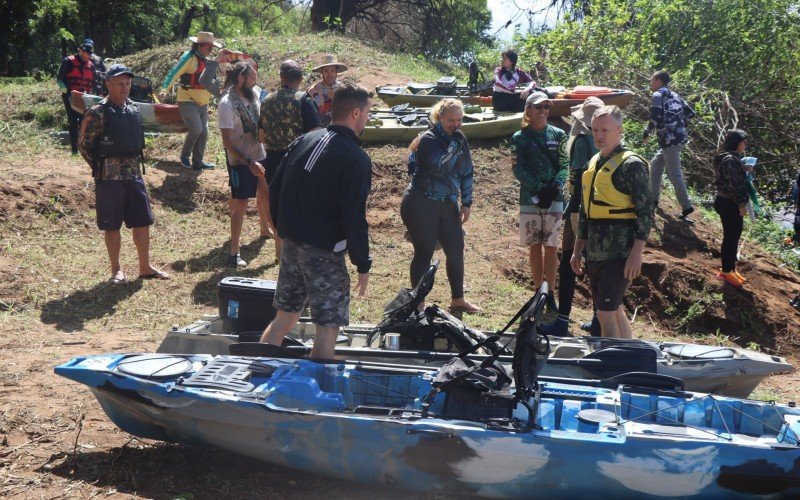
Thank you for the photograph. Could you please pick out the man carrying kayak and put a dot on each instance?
(112, 142)
(616, 215)
(322, 91)
(77, 72)
(193, 98)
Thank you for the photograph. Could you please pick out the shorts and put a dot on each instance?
(242, 182)
(118, 201)
(319, 277)
(608, 283)
(271, 164)
(539, 229)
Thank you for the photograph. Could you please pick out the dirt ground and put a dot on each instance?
(55, 440)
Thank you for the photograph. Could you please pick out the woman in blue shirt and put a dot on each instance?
(430, 208)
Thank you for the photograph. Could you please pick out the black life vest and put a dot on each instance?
(192, 80)
(123, 135)
(81, 74)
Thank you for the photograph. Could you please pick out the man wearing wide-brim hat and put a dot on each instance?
(581, 148)
(322, 91)
(193, 98)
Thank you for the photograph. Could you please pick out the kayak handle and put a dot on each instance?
(431, 432)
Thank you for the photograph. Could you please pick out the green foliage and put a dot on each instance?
(737, 62)
(45, 116)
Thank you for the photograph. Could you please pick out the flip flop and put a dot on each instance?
(117, 281)
(161, 275)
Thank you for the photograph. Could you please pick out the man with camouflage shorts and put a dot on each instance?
(285, 115)
(615, 218)
(318, 201)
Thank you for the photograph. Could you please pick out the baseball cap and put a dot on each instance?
(117, 70)
(536, 98)
(291, 70)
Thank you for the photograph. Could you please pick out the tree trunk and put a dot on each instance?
(182, 30)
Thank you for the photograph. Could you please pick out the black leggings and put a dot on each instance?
(428, 221)
(505, 101)
(566, 276)
(732, 224)
(74, 120)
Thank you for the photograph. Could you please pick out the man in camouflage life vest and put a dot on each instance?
(322, 91)
(616, 215)
(77, 72)
(111, 142)
(285, 115)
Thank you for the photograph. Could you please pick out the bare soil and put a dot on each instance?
(55, 441)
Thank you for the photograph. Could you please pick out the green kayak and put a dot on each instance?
(385, 126)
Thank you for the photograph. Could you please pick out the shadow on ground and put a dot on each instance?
(73, 311)
(172, 471)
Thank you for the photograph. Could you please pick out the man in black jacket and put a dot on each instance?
(318, 203)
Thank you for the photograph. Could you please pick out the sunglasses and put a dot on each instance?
(541, 106)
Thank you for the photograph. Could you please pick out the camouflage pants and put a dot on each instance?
(319, 277)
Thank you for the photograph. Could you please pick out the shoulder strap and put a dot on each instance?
(553, 161)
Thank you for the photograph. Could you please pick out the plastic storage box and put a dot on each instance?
(245, 304)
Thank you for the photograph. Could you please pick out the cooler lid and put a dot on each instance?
(694, 351)
(254, 284)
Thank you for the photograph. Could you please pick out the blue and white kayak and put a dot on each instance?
(379, 423)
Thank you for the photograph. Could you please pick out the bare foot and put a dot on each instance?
(464, 305)
(154, 273)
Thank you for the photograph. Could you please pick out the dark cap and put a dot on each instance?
(291, 70)
(88, 41)
(117, 70)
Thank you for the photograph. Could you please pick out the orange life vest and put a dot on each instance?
(80, 77)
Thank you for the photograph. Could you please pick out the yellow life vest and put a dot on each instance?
(601, 200)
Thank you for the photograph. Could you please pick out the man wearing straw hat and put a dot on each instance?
(322, 91)
(193, 98)
(581, 148)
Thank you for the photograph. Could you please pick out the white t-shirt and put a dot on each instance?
(245, 141)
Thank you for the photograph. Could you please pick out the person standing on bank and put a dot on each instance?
(507, 79)
(99, 67)
(581, 149)
(193, 98)
(318, 201)
(730, 179)
(669, 117)
(541, 167)
(430, 211)
(322, 91)
(77, 72)
(237, 115)
(285, 115)
(616, 215)
(112, 141)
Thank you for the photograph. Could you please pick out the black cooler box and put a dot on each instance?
(245, 304)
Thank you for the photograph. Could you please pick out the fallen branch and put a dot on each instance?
(73, 457)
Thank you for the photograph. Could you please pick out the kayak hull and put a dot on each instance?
(560, 107)
(485, 125)
(164, 118)
(334, 420)
(736, 372)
